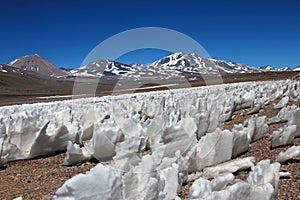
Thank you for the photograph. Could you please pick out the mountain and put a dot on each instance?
(176, 65)
(103, 68)
(3, 69)
(273, 69)
(37, 64)
(192, 63)
(285, 69)
(268, 68)
(296, 68)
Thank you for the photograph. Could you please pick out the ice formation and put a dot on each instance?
(284, 115)
(153, 139)
(262, 183)
(229, 167)
(101, 182)
(288, 154)
(209, 148)
(282, 102)
(31, 130)
(241, 140)
(294, 120)
(283, 136)
(257, 127)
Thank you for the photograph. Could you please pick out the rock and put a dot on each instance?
(288, 154)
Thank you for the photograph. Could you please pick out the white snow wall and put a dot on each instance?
(31, 130)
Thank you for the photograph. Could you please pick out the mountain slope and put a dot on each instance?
(195, 64)
(37, 64)
(176, 65)
(103, 67)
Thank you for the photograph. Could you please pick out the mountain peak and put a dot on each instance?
(37, 55)
(35, 63)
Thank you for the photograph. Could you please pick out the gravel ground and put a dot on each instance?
(32, 179)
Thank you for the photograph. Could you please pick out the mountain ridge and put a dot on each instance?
(174, 65)
(178, 64)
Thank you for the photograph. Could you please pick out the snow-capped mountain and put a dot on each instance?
(296, 68)
(273, 69)
(37, 64)
(175, 65)
(192, 63)
(104, 68)
(268, 68)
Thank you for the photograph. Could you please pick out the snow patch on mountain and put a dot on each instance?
(296, 68)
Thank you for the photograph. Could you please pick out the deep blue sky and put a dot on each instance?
(252, 32)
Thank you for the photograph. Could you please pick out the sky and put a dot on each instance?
(256, 33)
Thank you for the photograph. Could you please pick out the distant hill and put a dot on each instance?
(37, 64)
